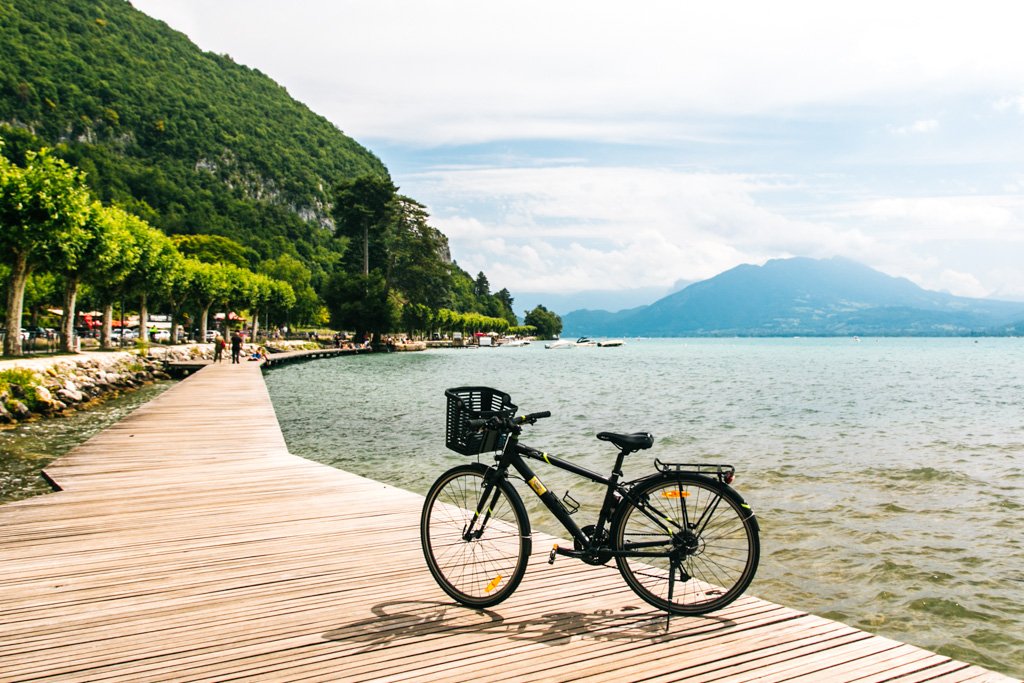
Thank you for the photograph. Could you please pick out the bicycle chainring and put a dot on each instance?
(599, 556)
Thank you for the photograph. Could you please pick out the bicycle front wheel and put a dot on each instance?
(690, 543)
(475, 536)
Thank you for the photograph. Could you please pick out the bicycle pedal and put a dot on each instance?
(554, 551)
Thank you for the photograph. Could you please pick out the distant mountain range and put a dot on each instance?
(803, 296)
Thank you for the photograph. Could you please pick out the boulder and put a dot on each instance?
(18, 409)
(69, 396)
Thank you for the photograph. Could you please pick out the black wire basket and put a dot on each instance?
(475, 403)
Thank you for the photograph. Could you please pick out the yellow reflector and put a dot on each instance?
(493, 584)
(675, 494)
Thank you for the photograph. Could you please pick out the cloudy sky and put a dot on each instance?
(572, 146)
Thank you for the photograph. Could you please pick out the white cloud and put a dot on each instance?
(457, 70)
(915, 128)
(578, 228)
(1014, 103)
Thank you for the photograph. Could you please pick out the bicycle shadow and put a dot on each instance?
(399, 620)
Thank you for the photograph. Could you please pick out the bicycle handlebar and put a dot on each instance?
(496, 422)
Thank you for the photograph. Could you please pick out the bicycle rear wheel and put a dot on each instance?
(487, 567)
(700, 540)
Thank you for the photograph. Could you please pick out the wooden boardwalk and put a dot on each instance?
(187, 544)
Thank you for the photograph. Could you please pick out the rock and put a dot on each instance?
(5, 415)
(18, 409)
(70, 396)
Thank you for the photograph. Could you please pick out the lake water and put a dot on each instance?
(887, 475)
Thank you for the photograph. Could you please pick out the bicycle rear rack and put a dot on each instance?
(724, 473)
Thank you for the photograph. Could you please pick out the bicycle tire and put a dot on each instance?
(485, 570)
(715, 542)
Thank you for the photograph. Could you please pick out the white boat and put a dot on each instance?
(560, 344)
(585, 341)
(610, 342)
(516, 342)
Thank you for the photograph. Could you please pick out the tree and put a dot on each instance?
(417, 257)
(547, 323)
(361, 303)
(43, 210)
(109, 252)
(363, 212)
(209, 285)
(481, 287)
(214, 249)
(286, 268)
(151, 275)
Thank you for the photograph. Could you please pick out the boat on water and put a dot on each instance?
(516, 342)
(610, 342)
(585, 341)
(560, 344)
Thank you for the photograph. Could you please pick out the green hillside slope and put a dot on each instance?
(188, 140)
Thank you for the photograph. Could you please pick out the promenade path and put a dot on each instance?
(187, 544)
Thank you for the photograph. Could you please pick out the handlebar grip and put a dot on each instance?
(478, 424)
(533, 417)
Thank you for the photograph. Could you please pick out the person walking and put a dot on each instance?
(218, 349)
(236, 347)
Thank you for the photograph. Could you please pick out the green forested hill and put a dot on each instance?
(190, 141)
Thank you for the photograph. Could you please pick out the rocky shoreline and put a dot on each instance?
(46, 387)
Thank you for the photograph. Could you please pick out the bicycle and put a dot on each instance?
(682, 538)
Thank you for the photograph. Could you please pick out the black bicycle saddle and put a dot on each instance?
(636, 441)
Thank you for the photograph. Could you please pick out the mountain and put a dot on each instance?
(188, 140)
(802, 296)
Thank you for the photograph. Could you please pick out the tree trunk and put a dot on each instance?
(106, 332)
(68, 323)
(255, 323)
(202, 322)
(366, 250)
(143, 320)
(15, 302)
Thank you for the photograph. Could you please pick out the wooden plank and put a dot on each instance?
(188, 544)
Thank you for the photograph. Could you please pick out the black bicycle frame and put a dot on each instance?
(514, 455)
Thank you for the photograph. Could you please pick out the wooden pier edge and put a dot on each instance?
(188, 544)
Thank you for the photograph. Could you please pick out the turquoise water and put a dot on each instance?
(888, 475)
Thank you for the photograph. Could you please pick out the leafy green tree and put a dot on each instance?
(363, 211)
(152, 273)
(547, 323)
(215, 249)
(105, 255)
(481, 287)
(43, 210)
(417, 254)
(288, 269)
(505, 301)
(210, 284)
(361, 303)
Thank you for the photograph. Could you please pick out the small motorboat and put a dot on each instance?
(585, 341)
(560, 344)
(610, 342)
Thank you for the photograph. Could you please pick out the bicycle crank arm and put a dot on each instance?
(557, 550)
